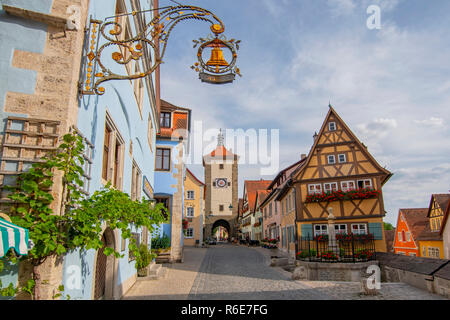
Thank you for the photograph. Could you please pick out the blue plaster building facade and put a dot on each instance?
(40, 63)
(172, 144)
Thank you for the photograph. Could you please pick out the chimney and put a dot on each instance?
(303, 156)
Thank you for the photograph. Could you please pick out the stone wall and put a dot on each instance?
(322, 271)
(55, 94)
(428, 274)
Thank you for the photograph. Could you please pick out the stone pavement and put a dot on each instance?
(389, 291)
(242, 273)
(176, 285)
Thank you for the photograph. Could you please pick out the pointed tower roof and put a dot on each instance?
(220, 151)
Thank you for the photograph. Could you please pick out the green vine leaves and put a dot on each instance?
(80, 222)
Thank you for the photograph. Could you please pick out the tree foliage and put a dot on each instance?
(79, 223)
(388, 226)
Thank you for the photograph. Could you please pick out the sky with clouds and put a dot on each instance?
(390, 85)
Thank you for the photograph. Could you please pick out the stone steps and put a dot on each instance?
(163, 257)
(156, 271)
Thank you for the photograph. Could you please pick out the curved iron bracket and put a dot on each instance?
(102, 37)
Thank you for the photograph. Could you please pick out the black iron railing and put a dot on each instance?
(349, 248)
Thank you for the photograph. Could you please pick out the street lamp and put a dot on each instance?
(98, 64)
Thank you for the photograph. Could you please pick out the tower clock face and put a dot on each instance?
(221, 182)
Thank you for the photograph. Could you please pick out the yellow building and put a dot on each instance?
(340, 176)
(194, 204)
(430, 240)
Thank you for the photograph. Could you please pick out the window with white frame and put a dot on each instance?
(433, 252)
(331, 159)
(340, 228)
(399, 236)
(190, 212)
(366, 183)
(342, 158)
(332, 126)
(189, 233)
(320, 229)
(359, 228)
(330, 186)
(190, 195)
(314, 188)
(408, 236)
(347, 185)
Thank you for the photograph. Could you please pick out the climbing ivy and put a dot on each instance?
(78, 224)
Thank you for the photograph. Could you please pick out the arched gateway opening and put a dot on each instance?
(104, 268)
(221, 230)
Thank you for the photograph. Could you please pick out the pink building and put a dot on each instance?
(270, 208)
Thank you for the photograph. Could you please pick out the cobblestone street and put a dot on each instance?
(239, 273)
(242, 273)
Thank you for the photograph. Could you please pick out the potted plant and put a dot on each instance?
(143, 260)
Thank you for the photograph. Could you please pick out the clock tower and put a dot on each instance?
(221, 189)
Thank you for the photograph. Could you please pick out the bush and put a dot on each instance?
(161, 242)
(144, 258)
(302, 254)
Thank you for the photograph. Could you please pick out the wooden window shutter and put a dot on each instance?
(307, 230)
(376, 229)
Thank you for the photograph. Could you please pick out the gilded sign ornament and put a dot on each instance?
(108, 45)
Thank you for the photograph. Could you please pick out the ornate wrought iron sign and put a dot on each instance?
(217, 69)
(107, 47)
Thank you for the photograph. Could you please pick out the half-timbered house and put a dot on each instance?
(430, 239)
(341, 177)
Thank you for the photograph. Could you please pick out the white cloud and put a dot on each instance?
(385, 84)
(341, 7)
(431, 122)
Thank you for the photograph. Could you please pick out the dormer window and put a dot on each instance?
(165, 119)
(331, 159)
(332, 126)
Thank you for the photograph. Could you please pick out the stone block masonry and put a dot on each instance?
(428, 274)
(42, 82)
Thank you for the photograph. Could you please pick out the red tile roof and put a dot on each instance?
(252, 187)
(221, 151)
(416, 219)
(180, 121)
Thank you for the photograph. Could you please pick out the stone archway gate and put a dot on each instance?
(213, 221)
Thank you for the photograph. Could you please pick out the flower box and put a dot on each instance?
(339, 195)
